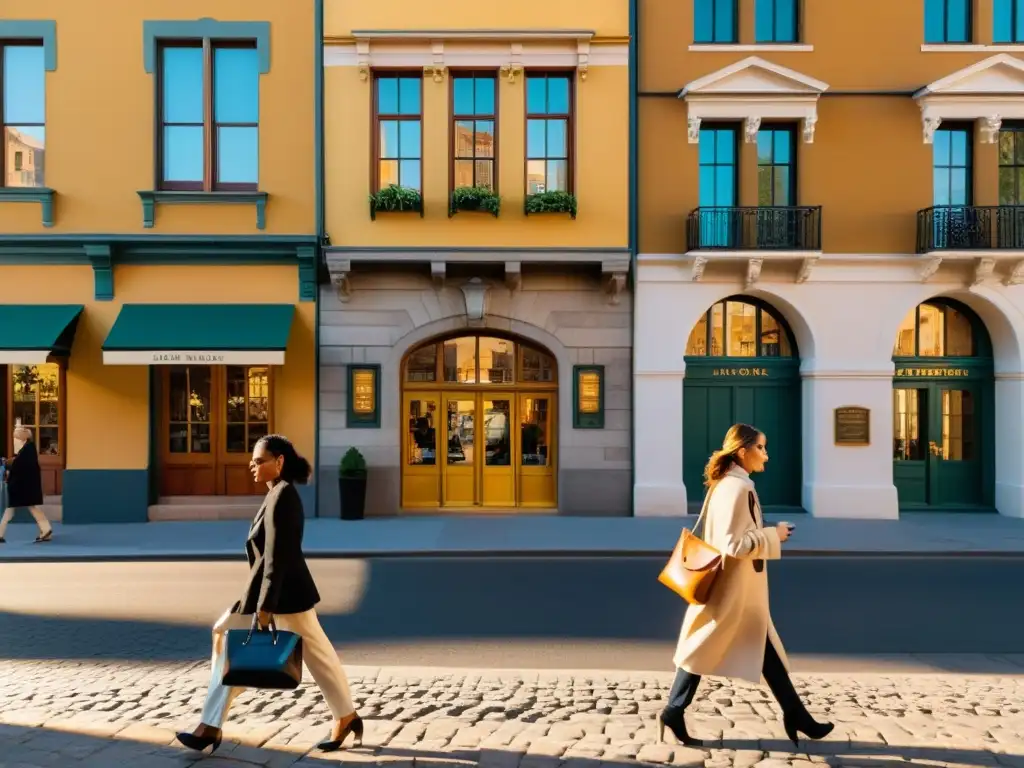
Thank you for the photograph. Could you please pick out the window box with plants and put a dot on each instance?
(551, 202)
(396, 199)
(475, 200)
(352, 485)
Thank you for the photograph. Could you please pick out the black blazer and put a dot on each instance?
(279, 581)
(24, 481)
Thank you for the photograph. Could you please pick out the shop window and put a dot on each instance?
(247, 407)
(36, 403)
(737, 328)
(189, 394)
(22, 114)
(935, 330)
(481, 360)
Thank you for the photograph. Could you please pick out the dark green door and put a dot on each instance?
(764, 393)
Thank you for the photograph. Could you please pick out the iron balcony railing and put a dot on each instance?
(970, 228)
(790, 228)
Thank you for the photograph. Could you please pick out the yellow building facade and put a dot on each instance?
(839, 259)
(475, 340)
(158, 220)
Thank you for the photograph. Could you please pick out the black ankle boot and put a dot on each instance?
(678, 727)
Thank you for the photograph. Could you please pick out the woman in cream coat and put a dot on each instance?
(732, 635)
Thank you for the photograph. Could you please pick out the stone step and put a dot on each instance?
(211, 511)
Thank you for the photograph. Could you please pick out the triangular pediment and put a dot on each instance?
(997, 75)
(755, 77)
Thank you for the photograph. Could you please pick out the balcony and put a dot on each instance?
(795, 228)
(970, 228)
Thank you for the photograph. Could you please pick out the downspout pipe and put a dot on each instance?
(634, 155)
(318, 181)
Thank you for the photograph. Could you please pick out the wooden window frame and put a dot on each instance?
(734, 129)
(773, 164)
(439, 384)
(968, 166)
(969, 32)
(209, 183)
(797, 26)
(759, 310)
(943, 309)
(246, 423)
(454, 117)
(376, 118)
(62, 399)
(734, 33)
(4, 45)
(570, 127)
(1015, 129)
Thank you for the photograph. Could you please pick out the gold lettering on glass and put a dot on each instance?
(363, 392)
(589, 392)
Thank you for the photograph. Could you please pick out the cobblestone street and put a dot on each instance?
(106, 715)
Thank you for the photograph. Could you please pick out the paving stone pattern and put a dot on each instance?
(105, 715)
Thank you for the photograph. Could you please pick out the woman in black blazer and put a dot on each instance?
(281, 586)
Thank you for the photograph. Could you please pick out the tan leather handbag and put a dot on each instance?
(694, 566)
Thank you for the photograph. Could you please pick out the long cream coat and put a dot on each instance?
(726, 637)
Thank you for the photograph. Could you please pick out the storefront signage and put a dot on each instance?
(852, 425)
(740, 372)
(186, 357)
(933, 372)
(23, 356)
(590, 392)
(364, 391)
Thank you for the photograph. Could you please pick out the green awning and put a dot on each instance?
(30, 333)
(199, 334)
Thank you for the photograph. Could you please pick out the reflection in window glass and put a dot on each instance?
(906, 434)
(697, 344)
(498, 433)
(247, 407)
(422, 364)
(718, 329)
(774, 339)
(23, 115)
(741, 327)
(36, 404)
(399, 136)
(189, 400)
(497, 361)
(957, 425)
(906, 337)
(547, 133)
(534, 432)
(460, 360)
(959, 334)
(473, 112)
(930, 331)
(422, 444)
(461, 432)
(537, 366)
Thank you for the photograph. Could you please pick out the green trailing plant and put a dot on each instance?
(551, 202)
(480, 199)
(353, 464)
(394, 198)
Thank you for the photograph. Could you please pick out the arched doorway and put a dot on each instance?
(943, 409)
(742, 365)
(479, 424)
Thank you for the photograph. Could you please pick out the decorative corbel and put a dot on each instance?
(582, 58)
(697, 271)
(805, 268)
(438, 272)
(514, 275)
(750, 128)
(693, 130)
(614, 272)
(990, 128)
(929, 268)
(1016, 276)
(983, 269)
(363, 59)
(511, 71)
(340, 271)
(101, 259)
(437, 69)
(753, 271)
(810, 123)
(929, 125)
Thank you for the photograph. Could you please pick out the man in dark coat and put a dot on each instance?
(25, 485)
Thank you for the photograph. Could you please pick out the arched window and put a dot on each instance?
(739, 328)
(479, 360)
(935, 329)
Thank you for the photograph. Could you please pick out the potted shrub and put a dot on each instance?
(478, 199)
(551, 202)
(352, 485)
(396, 199)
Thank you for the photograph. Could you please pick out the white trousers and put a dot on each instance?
(318, 655)
(36, 512)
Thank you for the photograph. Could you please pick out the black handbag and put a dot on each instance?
(263, 658)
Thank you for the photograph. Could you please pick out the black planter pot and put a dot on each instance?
(353, 497)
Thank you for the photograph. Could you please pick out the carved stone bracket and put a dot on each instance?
(475, 292)
(615, 272)
(101, 258)
(990, 128)
(697, 271)
(438, 272)
(363, 59)
(929, 126)
(753, 271)
(750, 128)
(511, 71)
(582, 58)
(693, 130)
(983, 269)
(810, 123)
(929, 268)
(1016, 276)
(514, 275)
(436, 72)
(805, 268)
(340, 271)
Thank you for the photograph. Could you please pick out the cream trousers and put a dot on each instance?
(37, 513)
(318, 655)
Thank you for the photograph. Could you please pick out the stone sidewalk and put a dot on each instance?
(110, 715)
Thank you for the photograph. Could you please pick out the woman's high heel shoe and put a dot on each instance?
(679, 731)
(355, 727)
(200, 743)
(810, 728)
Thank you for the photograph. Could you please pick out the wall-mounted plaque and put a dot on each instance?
(852, 425)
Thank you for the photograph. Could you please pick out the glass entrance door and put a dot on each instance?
(536, 474)
(497, 481)
(458, 480)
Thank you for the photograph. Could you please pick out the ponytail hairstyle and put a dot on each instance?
(295, 468)
(721, 461)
